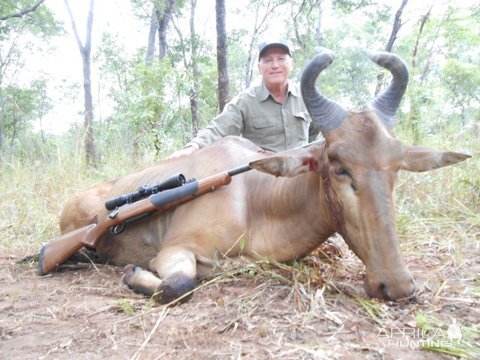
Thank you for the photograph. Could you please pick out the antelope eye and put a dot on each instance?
(339, 169)
(342, 171)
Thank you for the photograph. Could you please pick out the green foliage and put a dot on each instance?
(21, 102)
(143, 109)
(17, 107)
(236, 60)
(462, 82)
(348, 6)
(41, 22)
(151, 110)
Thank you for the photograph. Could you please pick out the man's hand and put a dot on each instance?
(188, 149)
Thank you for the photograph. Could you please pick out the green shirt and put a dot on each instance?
(255, 115)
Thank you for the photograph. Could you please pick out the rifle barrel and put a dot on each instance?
(239, 170)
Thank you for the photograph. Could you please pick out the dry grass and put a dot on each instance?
(33, 193)
(309, 309)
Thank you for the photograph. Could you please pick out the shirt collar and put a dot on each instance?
(263, 93)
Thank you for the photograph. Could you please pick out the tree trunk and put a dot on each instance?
(195, 89)
(222, 51)
(88, 122)
(1, 145)
(161, 16)
(151, 38)
(163, 19)
(397, 24)
(181, 119)
(250, 60)
(85, 51)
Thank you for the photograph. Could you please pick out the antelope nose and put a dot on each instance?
(393, 289)
(383, 289)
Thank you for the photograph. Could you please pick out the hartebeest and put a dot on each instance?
(343, 184)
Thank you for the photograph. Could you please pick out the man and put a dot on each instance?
(270, 113)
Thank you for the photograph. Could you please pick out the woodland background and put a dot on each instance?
(147, 99)
(139, 79)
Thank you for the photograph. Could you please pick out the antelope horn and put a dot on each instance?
(326, 114)
(386, 104)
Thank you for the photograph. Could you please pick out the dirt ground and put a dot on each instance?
(306, 310)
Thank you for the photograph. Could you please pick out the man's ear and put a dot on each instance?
(286, 165)
(420, 159)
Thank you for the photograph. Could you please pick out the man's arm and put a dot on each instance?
(187, 149)
(229, 122)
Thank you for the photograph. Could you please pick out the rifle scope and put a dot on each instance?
(144, 191)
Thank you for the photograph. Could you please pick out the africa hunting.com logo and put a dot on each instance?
(414, 337)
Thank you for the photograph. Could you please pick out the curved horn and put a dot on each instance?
(325, 113)
(386, 104)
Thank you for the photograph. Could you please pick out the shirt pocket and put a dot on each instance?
(302, 124)
(265, 122)
(265, 131)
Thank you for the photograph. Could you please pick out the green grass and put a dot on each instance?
(437, 337)
(374, 309)
(125, 306)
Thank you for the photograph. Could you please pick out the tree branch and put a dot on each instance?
(23, 12)
(397, 23)
(74, 27)
(423, 21)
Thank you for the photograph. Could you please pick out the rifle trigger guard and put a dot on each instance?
(117, 229)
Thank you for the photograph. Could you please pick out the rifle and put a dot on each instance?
(128, 207)
(143, 191)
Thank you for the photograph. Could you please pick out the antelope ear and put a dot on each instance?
(286, 165)
(420, 159)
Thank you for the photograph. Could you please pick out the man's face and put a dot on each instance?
(275, 66)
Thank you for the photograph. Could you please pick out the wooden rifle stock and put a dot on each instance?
(59, 250)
